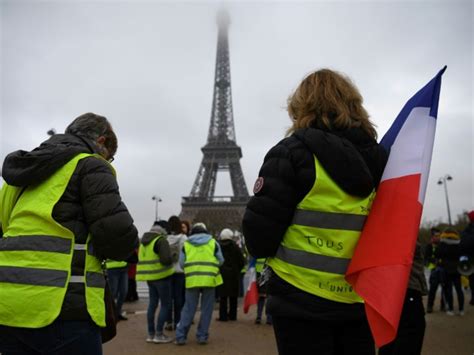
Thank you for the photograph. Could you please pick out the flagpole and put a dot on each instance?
(443, 181)
(156, 199)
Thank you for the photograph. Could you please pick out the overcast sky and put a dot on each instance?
(149, 68)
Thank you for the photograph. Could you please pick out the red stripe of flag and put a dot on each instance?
(379, 270)
(251, 296)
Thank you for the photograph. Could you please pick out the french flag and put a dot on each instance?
(382, 260)
(251, 296)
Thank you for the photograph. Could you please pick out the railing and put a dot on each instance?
(142, 287)
(216, 199)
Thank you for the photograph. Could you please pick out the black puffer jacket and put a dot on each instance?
(448, 253)
(353, 160)
(230, 270)
(91, 204)
(466, 247)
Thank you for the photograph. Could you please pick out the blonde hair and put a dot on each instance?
(329, 100)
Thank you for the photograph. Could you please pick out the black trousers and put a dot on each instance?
(411, 329)
(59, 338)
(436, 279)
(453, 280)
(299, 336)
(228, 308)
(471, 286)
(132, 294)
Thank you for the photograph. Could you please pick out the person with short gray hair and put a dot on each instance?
(91, 126)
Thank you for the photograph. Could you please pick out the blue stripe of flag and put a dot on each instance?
(428, 96)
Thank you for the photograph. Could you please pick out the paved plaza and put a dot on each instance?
(445, 335)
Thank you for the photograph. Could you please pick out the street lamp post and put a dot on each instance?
(156, 199)
(443, 181)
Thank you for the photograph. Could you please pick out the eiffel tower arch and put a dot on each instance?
(221, 153)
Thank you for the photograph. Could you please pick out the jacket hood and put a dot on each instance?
(22, 168)
(353, 159)
(148, 237)
(199, 239)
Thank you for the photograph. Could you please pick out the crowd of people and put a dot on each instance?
(182, 265)
(442, 256)
(62, 218)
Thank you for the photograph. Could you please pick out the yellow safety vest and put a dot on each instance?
(36, 254)
(318, 246)
(259, 264)
(149, 267)
(201, 268)
(115, 264)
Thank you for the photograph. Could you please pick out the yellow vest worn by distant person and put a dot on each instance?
(36, 254)
(318, 246)
(149, 267)
(201, 268)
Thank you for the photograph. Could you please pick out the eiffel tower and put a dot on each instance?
(221, 153)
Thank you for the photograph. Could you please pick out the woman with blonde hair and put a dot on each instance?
(310, 201)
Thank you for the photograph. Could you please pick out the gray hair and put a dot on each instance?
(92, 126)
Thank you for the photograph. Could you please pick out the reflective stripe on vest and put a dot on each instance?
(149, 267)
(36, 253)
(329, 220)
(37, 243)
(201, 268)
(313, 261)
(318, 246)
(92, 279)
(33, 276)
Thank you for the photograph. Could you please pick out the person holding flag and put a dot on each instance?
(311, 199)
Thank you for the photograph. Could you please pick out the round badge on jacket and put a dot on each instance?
(258, 185)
